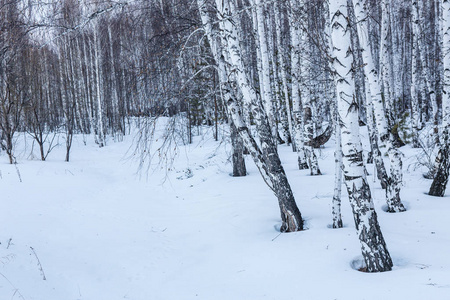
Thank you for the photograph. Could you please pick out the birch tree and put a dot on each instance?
(226, 51)
(296, 71)
(283, 68)
(373, 246)
(415, 77)
(305, 92)
(385, 58)
(394, 180)
(238, 159)
(440, 180)
(336, 204)
(263, 49)
(427, 84)
(12, 49)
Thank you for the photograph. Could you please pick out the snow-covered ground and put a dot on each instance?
(98, 231)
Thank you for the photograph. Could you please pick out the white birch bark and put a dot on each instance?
(98, 94)
(440, 180)
(79, 70)
(100, 129)
(76, 67)
(283, 66)
(358, 61)
(415, 76)
(385, 59)
(373, 247)
(115, 94)
(446, 56)
(70, 108)
(373, 137)
(305, 92)
(440, 45)
(278, 109)
(397, 60)
(61, 73)
(336, 204)
(290, 214)
(395, 179)
(295, 72)
(426, 72)
(259, 66)
(90, 81)
(266, 92)
(265, 155)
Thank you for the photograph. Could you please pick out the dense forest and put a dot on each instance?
(289, 72)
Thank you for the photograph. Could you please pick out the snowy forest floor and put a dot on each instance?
(97, 231)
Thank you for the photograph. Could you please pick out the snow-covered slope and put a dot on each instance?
(97, 231)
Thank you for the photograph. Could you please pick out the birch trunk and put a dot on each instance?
(395, 179)
(238, 160)
(426, 72)
(65, 98)
(265, 155)
(283, 68)
(295, 71)
(278, 111)
(281, 117)
(290, 214)
(70, 109)
(360, 87)
(78, 105)
(305, 92)
(440, 181)
(415, 77)
(100, 129)
(336, 204)
(385, 59)
(89, 94)
(373, 246)
(266, 93)
(373, 137)
(440, 56)
(115, 95)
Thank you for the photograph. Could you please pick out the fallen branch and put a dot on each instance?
(321, 139)
(39, 264)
